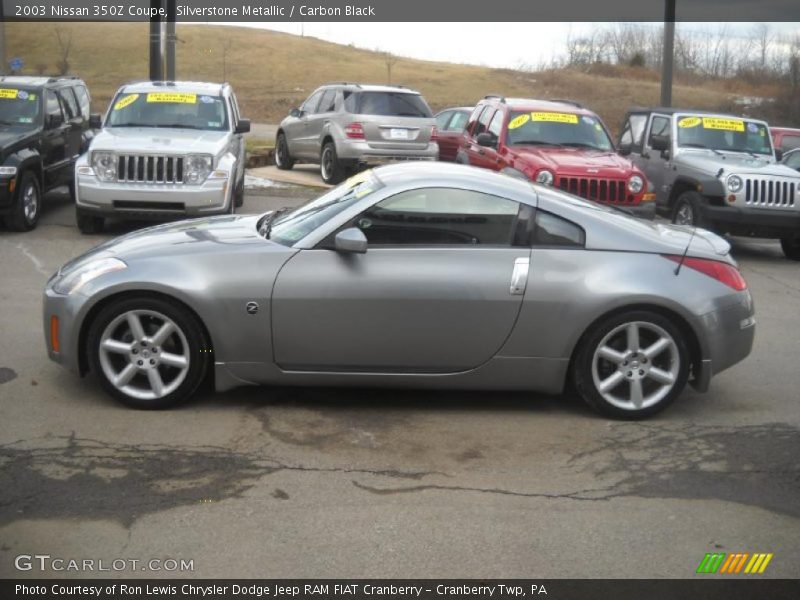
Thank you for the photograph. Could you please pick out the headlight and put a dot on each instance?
(105, 165)
(734, 183)
(635, 184)
(197, 168)
(8, 171)
(544, 177)
(73, 281)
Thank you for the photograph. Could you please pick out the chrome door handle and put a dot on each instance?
(519, 276)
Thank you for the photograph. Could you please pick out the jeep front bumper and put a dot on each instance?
(757, 222)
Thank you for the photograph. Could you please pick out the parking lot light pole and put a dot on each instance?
(669, 51)
(171, 39)
(2, 41)
(156, 43)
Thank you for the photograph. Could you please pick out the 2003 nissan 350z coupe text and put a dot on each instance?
(409, 275)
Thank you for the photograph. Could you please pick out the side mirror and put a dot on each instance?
(350, 240)
(778, 154)
(486, 139)
(243, 126)
(95, 121)
(624, 149)
(659, 142)
(54, 121)
(295, 112)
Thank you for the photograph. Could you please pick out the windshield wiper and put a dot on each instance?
(133, 125)
(266, 225)
(583, 145)
(703, 147)
(178, 126)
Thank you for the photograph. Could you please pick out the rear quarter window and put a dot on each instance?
(551, 230)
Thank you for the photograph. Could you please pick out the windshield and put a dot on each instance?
(556, 129)
(396, 104)
(295, 225)
(723, 133)
(18, 107)
(169, 109)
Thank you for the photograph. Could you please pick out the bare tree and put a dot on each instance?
(64, 40)
(763, 39)
(390, 60)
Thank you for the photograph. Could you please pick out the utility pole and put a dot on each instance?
(156, 43)
(669, 53)
(2, 40)
(171, 39)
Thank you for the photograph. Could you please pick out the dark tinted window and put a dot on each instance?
(70, 103)
(52, 105)
(328, 101)
(398, 104)
(440, 216)
(83, 101)
(551, 230)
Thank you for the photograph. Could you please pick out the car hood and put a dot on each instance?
(11, 138)
(711, 163)
(188, 240)
(575, 161)
(159, 140)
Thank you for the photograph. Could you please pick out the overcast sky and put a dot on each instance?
(490, 44)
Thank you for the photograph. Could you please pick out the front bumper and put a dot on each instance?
(151, 200)
(360, 151)
(758, 222)
(6, 196)
(69, 311)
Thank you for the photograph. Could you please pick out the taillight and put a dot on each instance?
(721, 271)
(355, 131)
(434, 134)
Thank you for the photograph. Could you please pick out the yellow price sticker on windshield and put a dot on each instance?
(8, 94)
(519, 121)
(689, 122)
(172, 97)
(126, 101)
(554, 117)
(723, 124)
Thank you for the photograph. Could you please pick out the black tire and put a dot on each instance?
(198, 350)
(238, 194)
(688, 210)
(331, 169)
(659, 396)
(283, 160)
(791, 246)
(27, 203)
(87, 223)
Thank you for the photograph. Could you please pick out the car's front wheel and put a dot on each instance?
(27, 204)
(148, 353)
(632, 365)
(331, 168)
(688, 210)
(88, 224)
(791, 246)
(283, 160)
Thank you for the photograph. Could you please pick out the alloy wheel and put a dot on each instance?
(30, 202)
(685, 214)
(635, 365)
(327, 163)
(144, 354)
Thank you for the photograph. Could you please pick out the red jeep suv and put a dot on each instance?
(556, 143)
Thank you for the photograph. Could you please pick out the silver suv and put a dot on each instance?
(715, 171)
(167, 149)
(343, 126)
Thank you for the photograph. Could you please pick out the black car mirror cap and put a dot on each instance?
(95, 121)
(351, 240)
(486, 139)
(659, 142)
(243, 126)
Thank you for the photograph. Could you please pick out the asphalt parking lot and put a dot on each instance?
(306, 482)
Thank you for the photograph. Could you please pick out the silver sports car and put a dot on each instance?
(412, 275)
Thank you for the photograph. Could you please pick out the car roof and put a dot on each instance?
(462, 108)
(784, 129)
(368, 87)
(37, 81)
(534, 104)
(669, 110)
(174, 86)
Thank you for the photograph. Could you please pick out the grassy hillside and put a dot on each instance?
(272, 72)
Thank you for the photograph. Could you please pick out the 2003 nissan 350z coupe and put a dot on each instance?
(412, 275)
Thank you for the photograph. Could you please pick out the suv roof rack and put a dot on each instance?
(567, 101)
(168, 83)
(62, 78)
(495, 97)
(343, 83)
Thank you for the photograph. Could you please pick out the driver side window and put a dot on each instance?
(660, 127)
(441, 217)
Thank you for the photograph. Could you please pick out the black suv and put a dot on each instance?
(44, 127)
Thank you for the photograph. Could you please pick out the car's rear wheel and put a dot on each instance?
(791, 246)
(148, 353)
(27, 204)
(688, 209)
(330, 167)
(283, 159)
(632, 365)
(87, 223)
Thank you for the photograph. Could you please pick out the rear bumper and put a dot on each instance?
(759, 222)
(360, 151)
